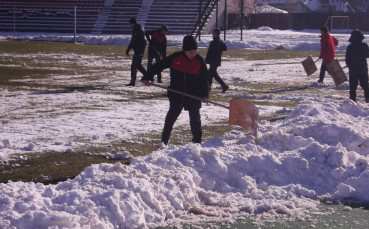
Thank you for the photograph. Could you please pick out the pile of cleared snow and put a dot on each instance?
(265, 28)
(261, 38)
(317, 153)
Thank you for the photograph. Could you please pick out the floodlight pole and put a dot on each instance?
(14, 20)
(225, 19)
(305, 4)
(75, 23)
(241, 18)
(216, 18)
(199, 20)
(98, 21)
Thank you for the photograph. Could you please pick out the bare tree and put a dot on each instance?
(248, 7)
(357, 5)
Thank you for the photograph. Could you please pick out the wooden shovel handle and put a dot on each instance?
(188, 95)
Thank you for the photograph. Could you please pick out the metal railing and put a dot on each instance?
(200, 19)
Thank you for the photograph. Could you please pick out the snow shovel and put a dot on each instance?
(241, 112)
(309, 65)
(337, 73)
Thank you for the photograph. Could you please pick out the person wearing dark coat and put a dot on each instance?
(356, 54)
(157, 46)
(213, 58)
(328, 44)
(188, 74)
(138, 44)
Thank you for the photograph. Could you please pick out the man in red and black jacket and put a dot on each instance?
(157, 46)
(328, 44)
(188, 74)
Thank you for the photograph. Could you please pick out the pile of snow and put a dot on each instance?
(319, 152)
(262, 38)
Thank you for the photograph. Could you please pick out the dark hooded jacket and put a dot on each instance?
(214, 54)
(138, 41)
(189, 76)
(356, 54)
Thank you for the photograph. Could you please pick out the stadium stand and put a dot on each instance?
(98, 16)
(49, 15)
(178, 15)
(120, 13)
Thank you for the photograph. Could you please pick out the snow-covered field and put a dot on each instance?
(317, 153)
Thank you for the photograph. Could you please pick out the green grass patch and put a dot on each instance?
(267, 54)
(32, 65)
(27, 47)
(17, 73)
(49, 167)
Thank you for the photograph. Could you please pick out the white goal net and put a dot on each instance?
(338, 23)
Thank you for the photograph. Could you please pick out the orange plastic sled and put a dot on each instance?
(245, 114)
(242, 113)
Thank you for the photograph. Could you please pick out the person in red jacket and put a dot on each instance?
(188, 74)
(328, 44)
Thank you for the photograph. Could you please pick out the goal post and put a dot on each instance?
(338, 22)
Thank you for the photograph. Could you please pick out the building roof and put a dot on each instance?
(267, 9)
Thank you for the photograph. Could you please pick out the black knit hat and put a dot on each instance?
(356, 36)
(164, 28)
(324, 29)
(189, 43)
(132, 20)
